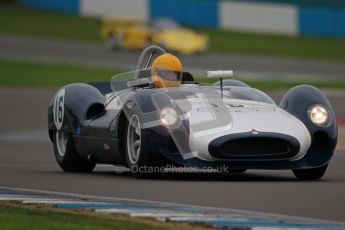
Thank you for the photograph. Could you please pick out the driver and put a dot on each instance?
(166, 71)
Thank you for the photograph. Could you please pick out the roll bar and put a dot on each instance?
(147, 56)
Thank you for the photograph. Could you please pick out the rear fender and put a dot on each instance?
(72, 107)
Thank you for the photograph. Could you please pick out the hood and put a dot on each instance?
(211, 117)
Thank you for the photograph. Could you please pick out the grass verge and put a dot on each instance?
(223, 41)
(30, 74)
(16, 216)
(37, 23)
(30, 22)
(276, 85)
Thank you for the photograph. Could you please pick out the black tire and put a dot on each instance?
(310, 174)
(146, 163)
(69, 160)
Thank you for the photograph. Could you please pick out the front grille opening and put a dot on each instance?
(320, 142)
(255, 146)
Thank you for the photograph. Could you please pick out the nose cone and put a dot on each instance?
(248, 121)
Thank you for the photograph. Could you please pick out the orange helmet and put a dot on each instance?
(166, 71)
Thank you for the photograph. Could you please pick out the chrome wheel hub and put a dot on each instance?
(61, 142)
(134, 139)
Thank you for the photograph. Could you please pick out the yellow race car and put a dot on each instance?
(135, 34)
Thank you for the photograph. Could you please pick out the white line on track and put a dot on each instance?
(251, 214)
(60, 201)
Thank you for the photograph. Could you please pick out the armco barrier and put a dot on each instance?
(66, 6)
(290, 17)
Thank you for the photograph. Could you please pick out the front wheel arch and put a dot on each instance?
(298, 100)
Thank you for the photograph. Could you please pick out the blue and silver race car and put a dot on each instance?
(142, 124)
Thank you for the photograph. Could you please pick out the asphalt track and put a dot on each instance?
(27, 161)
(245, 66)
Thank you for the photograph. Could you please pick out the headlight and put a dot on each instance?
(168, 116)
(318, 114)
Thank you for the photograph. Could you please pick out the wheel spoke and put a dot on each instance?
(137, 130)
(137, 144)
(137, 152)
(134, 139)
(61, 141)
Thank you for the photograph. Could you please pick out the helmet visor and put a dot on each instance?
(169, 75)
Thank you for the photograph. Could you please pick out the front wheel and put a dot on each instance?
(136, 153)
(141, 161)
(310, 174)
(67, 156)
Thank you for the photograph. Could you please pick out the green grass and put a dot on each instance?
(248, 43)
(30, 22)
(15, 217)
(276, 85)
(30, 74)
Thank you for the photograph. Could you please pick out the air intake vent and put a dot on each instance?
(255, 146)
(249, 147)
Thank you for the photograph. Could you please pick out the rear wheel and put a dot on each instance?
(310, 174)
(67, 156)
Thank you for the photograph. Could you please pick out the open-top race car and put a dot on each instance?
(161, 118)
(120, 33)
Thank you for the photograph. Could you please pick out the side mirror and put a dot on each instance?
(220, 74)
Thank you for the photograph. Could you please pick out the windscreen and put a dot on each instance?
(119, 82)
